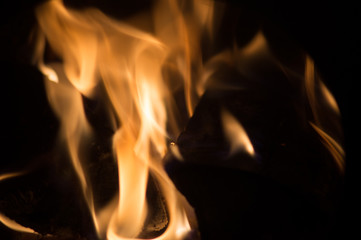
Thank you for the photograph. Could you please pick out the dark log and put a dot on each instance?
(291, 189)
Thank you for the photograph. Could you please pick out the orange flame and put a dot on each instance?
(321, 99)
(6, 176)
(129, 62)
(98, 50)
(7, 221)
(236, 135)
(14, 225)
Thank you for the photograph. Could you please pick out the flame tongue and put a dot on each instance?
(14, 225)
(133, 174)
(96, 50)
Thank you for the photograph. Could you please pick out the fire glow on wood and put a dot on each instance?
(138, 68)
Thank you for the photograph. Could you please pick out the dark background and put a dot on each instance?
(328, 30)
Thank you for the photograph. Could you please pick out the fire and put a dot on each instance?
(236, 134)
(321, 100)
(140, 68)
(14, 225)
(97, 50)
(4, 219)
(10, 175)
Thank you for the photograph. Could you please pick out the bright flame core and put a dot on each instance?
(236, 134)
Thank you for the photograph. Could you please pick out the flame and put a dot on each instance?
(129, 60)
(97, 50)
(236, 134)
(258, 45)
(334, 147)
(6, 176)
(321, 99)
(14, 225)
(7, 221)
(175, 151)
